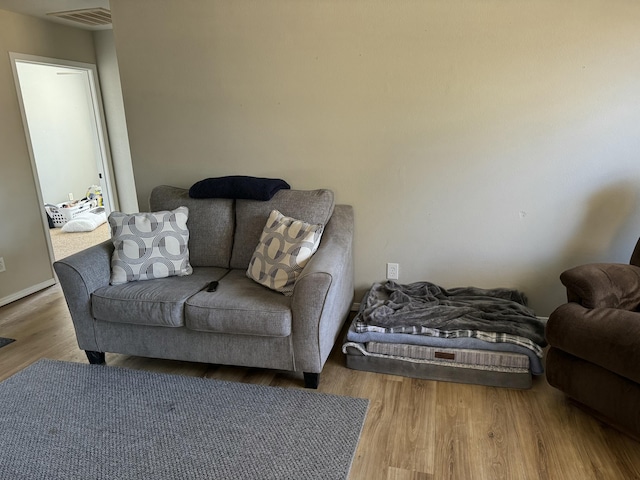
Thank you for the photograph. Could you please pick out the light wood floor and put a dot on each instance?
(415, 429)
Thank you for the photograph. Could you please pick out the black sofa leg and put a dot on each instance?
(311, 380)
(95, 358)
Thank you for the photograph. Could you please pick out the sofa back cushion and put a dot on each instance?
(211, 224)
(310, 206)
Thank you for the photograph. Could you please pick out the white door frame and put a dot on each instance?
(105, 166)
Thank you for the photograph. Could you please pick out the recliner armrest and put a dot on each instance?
(603, 285)
(608, 337)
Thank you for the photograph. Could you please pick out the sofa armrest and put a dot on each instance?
(603, 285)
(323, 293)
(80, 275)
(608, 337)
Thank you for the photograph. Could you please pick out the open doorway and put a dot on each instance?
(64, 127)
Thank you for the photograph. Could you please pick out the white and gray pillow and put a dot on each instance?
(149, 245)
(285, 247)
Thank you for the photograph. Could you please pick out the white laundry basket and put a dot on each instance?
(61, 214)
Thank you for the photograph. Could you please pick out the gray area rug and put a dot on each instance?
(62, 420)
(5, 341)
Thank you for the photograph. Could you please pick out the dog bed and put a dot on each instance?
(465, 335)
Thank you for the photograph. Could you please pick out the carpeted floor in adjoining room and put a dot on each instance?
(65, 244)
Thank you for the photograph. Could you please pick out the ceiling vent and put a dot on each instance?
(94, 17)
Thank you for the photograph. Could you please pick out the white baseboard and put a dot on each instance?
(27, 291)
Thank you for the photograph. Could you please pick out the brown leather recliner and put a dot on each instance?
(594, 354)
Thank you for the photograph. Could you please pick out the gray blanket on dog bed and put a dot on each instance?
(426, 308)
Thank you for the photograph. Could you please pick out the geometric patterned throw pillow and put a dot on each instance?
(285, 247)
(149, 245)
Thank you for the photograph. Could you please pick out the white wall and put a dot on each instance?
(60, 118)
(23, 243)
(115, 119)
(484, 143)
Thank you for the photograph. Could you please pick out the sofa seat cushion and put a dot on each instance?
(158, 302)
(239, 306)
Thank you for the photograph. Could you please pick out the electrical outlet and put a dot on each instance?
(393, 271)
(2, 267)
(70, 196)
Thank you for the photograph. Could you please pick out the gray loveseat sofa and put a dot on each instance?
(241, 323)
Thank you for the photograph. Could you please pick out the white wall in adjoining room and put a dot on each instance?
(60, 116)
(483, 143)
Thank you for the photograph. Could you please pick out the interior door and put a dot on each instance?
(64, 126)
